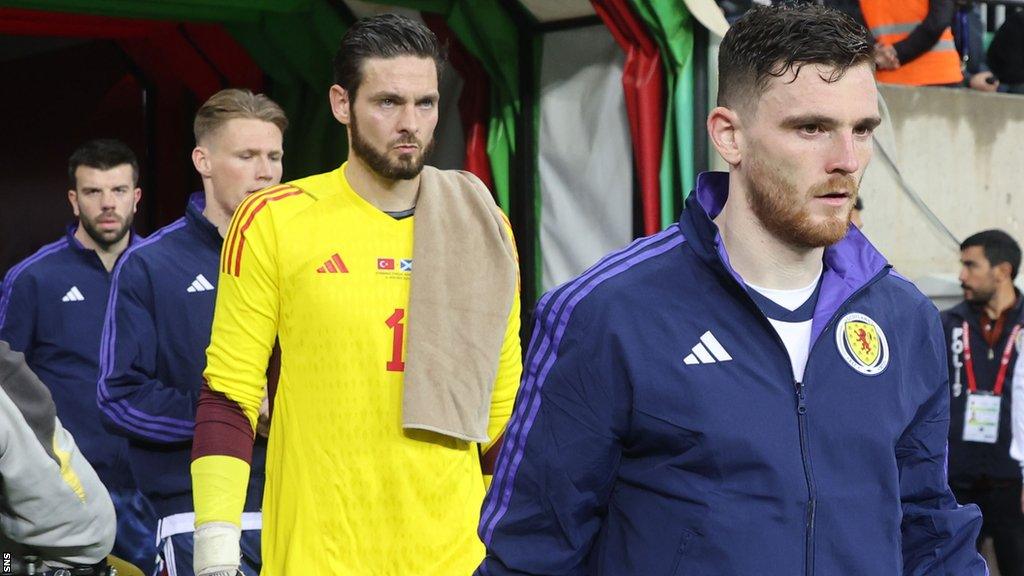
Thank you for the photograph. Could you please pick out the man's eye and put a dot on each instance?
(810, 129)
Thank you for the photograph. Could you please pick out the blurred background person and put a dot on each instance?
(983, 335)
(53, 507)
(52, 307)
(913, 41)
(1006, 53)
(969, 34)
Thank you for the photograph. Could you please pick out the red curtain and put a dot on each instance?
(184, 64)
(644, 84)
(474, 101)
(201, 57)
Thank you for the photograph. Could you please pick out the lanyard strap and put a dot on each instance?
(963, 22)
(972, 384)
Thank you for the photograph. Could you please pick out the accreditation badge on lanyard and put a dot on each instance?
(981, 418)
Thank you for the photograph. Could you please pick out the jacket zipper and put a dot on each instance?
(812, 491)
(801, 410)
(801, 416)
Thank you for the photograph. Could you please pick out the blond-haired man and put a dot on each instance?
(161, 308)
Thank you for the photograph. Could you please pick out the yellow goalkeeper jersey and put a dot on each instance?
(348, 491)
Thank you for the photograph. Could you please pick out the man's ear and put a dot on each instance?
(73, 200)
(340, 105)
(724, 128)
(201, 160)
(1004, 271)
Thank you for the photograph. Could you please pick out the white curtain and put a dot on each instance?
(584, 153)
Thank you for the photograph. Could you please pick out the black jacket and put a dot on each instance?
(1006, 53)
(971, 461)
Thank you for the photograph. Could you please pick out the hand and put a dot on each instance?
(984, 81)
(885, 57)
(263, 422)
(216, 549)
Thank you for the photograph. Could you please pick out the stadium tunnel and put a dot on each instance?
(578, 114)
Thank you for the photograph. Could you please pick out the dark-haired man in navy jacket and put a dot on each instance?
(51, 309)
(753, 390)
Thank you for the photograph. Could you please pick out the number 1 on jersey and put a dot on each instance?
(396, 364)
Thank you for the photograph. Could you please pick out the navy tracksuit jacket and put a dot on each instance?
(51, 308)
(640, 445)
(153, 355)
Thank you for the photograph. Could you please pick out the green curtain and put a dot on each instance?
(535, 202)
(293, 41)
(490, 35)
(671, 25)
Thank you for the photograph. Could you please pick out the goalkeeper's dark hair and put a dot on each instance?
(382, 36)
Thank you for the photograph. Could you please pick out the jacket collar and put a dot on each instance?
(849, 265)
(194, 215)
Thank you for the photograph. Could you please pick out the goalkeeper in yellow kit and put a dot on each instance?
(323, 266)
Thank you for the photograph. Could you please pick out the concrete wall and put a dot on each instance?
(962, 152)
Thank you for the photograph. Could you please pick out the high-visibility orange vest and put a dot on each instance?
(891, 21)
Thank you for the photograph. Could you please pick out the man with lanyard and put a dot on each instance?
(52, 308)
(983, 334)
